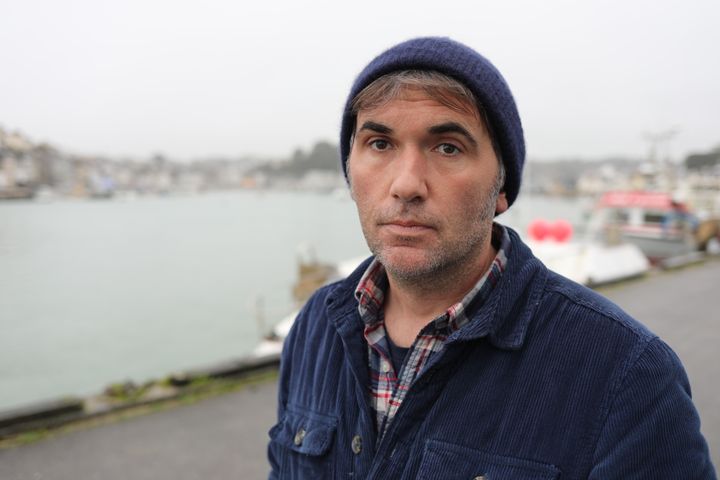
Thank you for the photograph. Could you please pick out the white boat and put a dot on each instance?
(592, 263)
(589, 260)
(273, 343)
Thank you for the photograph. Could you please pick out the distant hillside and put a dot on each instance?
(323, 156)
(702, 161)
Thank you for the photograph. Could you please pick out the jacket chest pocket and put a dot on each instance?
(455, 462)
(304, 439)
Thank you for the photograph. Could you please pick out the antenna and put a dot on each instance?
(657, 140)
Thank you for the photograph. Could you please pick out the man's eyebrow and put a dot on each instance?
(452, 127)
(376, 127)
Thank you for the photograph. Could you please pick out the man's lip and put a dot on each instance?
(405, 224)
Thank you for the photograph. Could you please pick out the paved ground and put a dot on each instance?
(219, 438)
(224, 437)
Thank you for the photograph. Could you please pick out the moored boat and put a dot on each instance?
(588, 260)
(660, 225)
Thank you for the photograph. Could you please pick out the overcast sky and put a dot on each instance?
(199, 78)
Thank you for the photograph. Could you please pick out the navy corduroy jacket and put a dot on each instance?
(549, 381)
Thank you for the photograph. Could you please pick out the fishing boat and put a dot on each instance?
(660, 225)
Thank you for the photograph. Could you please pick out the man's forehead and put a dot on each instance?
(421, 106)
(454, 98)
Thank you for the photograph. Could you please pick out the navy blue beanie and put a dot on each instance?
(469, 68)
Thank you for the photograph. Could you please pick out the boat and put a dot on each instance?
(588, 260)
(661, 226)
(271, 345)
(17, 193)
(589, 263)
(312, 275)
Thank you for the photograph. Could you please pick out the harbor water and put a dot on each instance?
(96, 292)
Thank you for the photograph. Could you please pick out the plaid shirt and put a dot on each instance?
(389, 388)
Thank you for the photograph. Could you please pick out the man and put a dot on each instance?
(453, 353)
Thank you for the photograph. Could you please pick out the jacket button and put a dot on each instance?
(357, 444)
(299, 437)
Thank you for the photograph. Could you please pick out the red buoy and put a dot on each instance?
(561, 230)
(539, 229)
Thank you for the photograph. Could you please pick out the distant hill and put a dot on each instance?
(702, 161)
(322, 156)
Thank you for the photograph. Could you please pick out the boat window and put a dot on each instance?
(618, 215)
(655, 217)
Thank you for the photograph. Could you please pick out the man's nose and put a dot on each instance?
(409, 181)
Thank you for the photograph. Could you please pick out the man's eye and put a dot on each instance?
(379, 145)
(448, 149)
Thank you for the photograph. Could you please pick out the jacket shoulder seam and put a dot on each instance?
(619, 317)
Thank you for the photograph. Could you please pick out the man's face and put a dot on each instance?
(423, 177)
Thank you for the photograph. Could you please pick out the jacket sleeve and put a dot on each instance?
(652, 429)
(283, 388)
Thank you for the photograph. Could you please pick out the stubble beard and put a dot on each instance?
(444, 264)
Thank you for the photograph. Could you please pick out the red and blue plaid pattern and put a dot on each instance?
(387, 388)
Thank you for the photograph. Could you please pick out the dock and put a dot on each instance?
(225, 437)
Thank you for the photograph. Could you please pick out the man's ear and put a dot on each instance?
(501, 204)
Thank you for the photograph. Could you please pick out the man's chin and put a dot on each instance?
(408, 264)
